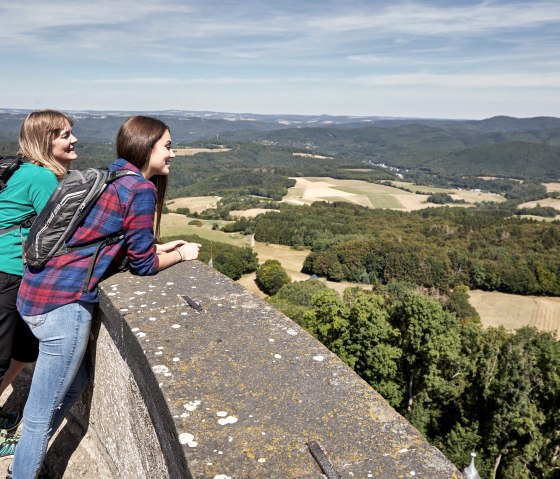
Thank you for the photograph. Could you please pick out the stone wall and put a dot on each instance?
(234, 390)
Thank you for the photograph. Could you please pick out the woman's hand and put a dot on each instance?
(167, 247)
(175, 252)
(189, 251)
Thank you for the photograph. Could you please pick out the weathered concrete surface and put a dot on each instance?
(247, 388)
(234, 391)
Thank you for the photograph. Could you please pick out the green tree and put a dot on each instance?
(371, 350)
(271, 277)
(431, 360)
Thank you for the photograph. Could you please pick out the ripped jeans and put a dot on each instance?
(59, 378)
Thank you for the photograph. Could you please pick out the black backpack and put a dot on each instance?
(66, 209)
(8, 165)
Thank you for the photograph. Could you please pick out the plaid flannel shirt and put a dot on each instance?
(128, 204)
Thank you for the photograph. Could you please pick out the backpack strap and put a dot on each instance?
(8, 166)
(106, 242)
(24, 224)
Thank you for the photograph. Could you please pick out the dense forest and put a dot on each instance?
(464, 387)
(441, 248)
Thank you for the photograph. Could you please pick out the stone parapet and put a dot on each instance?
(233, 390)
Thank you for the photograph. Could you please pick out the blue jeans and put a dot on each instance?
(58, 380)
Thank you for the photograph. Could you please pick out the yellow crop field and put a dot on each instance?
(372, 195)
(514, 311)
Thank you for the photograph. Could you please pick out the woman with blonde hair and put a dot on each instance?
(46, 148)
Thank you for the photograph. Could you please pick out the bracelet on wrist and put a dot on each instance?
(180, 255)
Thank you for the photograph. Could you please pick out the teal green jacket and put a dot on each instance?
(26, 194)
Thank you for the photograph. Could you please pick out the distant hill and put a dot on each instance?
(525, 148)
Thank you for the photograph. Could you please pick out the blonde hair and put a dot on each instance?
(36, 135)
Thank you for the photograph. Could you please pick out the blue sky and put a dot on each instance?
(421, 58)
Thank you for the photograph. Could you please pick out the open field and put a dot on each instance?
(250, 213)
(194, 151)
(552, 202)
(173, 224)
(513, 311)
(372, 195)
(311, 155)
(550, 187)
(195, 204)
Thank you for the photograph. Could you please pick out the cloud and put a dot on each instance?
(490, 81)
(424, 19)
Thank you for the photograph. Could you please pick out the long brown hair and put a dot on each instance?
(36, 135)
(135, 140)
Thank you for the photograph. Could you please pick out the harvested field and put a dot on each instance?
(194, 151)
(551, 202)
(195, 204)
(250, 213)
(372, 195)
(514, 311)
(311, 155)
(550, 187)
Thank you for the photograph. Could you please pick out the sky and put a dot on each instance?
(419, 58)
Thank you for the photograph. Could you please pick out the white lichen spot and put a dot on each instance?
(221, 414)
(139, 293)
(164, 294)
(175, 326)
(318, 358)
(193, 287)
(169, 283)
(143, 305)
(135, 329)
(292, 332)
(191, 406)
(270, 340)
(227, 420)
(158, 353)
(403, 450)
(176, 359)
(278, 356)
(160, 368)
(123, 310)
(412, 473)
(221, 476)
(141, 334)
(230, 438)
(184, 314)
(167, 374)
(219, 304)
(262, 459)
(151, 318)
(188, 439)
(111, 294)
(160, 347)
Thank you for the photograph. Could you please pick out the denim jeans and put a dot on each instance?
(58, 380)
